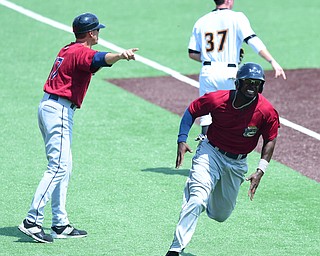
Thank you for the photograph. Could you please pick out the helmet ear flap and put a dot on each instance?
(237, 84)
(261, 87)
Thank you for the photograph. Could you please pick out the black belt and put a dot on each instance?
(230, 65)
(56, 98)
(230, 155)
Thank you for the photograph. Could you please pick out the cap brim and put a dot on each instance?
(101, 26)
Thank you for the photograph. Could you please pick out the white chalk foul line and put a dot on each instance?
(299, 128)
(139, 58)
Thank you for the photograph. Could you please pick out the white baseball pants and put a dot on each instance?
(55, 123)
(213, 184)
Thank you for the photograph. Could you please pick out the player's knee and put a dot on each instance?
(219, 216)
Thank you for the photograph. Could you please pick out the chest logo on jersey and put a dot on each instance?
(250, 131)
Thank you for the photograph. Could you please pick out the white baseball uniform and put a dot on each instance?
(218, 37)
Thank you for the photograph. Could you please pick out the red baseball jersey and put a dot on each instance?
(236, 130)
(71, 73)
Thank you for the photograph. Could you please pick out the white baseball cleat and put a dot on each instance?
(67, 232)
(34, 231)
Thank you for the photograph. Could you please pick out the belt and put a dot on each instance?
(230, 155)
(63, 101)
(230, 65)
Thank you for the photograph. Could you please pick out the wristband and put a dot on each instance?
(263, 164)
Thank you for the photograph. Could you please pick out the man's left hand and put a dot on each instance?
(254, 182)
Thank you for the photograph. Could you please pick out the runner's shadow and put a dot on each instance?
(168, 171)
(14, 232)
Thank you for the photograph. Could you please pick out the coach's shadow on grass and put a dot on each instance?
(168, 171)
(14, 232)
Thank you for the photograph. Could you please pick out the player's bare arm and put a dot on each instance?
(111, 58)
(267, 149)
(183, 147)
(275, 65)
(266, 154)
(258, 46)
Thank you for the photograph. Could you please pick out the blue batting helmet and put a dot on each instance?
(251, 70)
(86, 22)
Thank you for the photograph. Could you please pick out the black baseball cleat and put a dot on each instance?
(171, 253)
(34, 231)
(67, 232)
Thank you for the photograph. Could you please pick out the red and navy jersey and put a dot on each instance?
(236, 130)
(71, 73)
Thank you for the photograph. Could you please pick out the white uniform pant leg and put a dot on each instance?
(59, 198)
(223, 197)
(197, 191)
(55, 123)
(214, 78)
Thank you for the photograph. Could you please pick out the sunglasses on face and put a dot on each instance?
(253, 82)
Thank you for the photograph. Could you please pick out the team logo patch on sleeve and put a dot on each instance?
(250, 131)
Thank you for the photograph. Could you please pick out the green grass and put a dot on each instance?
(124, 190)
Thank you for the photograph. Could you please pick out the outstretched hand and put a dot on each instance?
(129, 54)
(183, 147)
(278, 70)
(254, 182)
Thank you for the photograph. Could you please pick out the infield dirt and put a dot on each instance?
(296, 99)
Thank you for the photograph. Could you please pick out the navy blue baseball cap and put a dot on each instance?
(86, 22)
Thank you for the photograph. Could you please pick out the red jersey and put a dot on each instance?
(236, 130)
(71, 73)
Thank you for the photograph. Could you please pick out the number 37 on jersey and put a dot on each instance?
(216, 41)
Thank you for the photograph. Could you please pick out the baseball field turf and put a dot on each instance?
(124, 190)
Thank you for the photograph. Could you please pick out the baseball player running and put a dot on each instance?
(216, 42)
(64, 92)
(219, 166)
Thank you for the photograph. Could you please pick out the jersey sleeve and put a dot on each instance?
(202, 106)
(244, 27)
(194, 39)
(84, 59)
(272, 124)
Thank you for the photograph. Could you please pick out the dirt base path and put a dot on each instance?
(296, 99)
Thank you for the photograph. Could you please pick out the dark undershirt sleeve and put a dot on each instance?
(185, 126)
(98, 60)
(193, 51)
